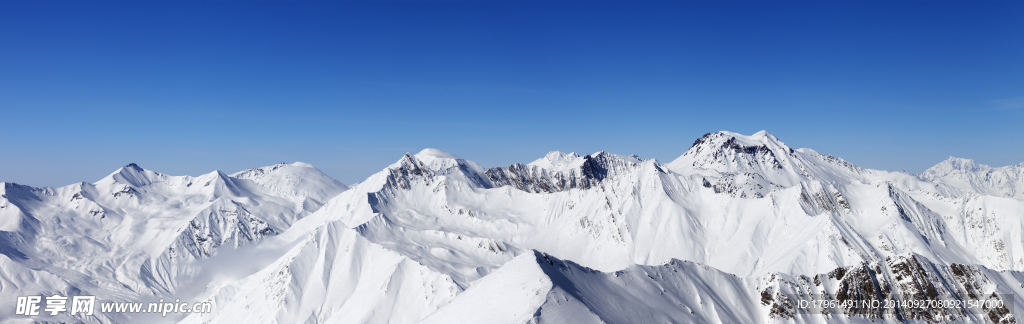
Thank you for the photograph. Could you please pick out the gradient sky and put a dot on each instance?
(187, 87)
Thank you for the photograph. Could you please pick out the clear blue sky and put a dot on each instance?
(185, 87)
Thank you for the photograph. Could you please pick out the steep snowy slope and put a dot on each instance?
(137, 233)
(333, 276)
(1007, 181)
(538, 288)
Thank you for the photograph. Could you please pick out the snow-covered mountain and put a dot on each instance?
(736, 230)
(1007, 181)
(139, 235)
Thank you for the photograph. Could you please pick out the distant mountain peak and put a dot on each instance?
(953, 165)
(557, 160)
(964, 164)
(728, 151)
(737, 142)
(295, 180)
(131, 174)
(1006, 181)
(553, 155)
(751, 165)
(130, 168)
(434, 160)
(435, 153)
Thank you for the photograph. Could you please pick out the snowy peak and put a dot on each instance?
(751, 166)
(294, 180)
(1007, 181)
(218, 184)
(428, 153)
(728, 151)
(558, 161)
(726, 138)
(427, 165)
(741, 165)
(435, 160)
(444, 163)
(133, 166)
(953, 165)
(132, 175)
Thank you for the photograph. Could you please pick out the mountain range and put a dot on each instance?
(738, 229)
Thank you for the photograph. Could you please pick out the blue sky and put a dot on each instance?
(187, 87)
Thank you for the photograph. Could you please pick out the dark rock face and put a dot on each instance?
(718, 151)
(760, 152)
(227, 225)
(410, 169)
(898, 288)
(741, 185)
(701, 140)
(595, 168)
(533, 179)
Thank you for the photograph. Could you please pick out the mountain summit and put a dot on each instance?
(753, 166)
